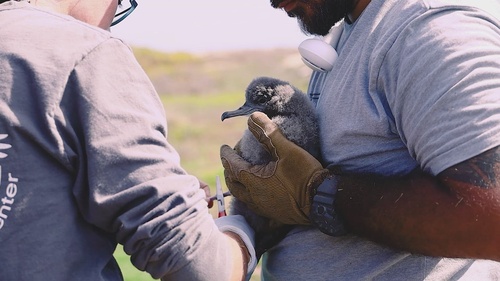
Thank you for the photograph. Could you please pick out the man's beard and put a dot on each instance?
(325, 14)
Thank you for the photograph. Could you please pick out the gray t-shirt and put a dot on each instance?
(85, 162)
(416, 84)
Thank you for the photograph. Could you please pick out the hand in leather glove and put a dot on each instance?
(282, 189)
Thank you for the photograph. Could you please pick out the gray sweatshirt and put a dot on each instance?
(85, 163)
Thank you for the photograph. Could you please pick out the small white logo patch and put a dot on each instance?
(4, 146)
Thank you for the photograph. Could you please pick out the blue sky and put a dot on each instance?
(208, 25)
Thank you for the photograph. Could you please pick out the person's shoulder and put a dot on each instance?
(487, 7)
(421, 17)
(41, 36)
(43, 25)
(413, 8)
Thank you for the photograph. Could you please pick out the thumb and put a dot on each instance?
(266, 132)
(261, 123)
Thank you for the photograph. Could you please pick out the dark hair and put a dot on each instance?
(2, 1)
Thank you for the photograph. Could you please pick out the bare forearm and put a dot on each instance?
(421, 214)
(240, 257)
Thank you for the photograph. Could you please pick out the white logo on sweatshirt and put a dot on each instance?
(3, 146)
(8, 197)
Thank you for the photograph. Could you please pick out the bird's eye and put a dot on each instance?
(261, 100)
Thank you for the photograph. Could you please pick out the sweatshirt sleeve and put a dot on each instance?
(130, 183)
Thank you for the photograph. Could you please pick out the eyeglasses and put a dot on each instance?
(124, 11)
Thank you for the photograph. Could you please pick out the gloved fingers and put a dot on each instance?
(262, 127)
(232, 161)
(239, 191)
(235, 165)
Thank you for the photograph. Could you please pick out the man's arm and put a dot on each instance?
(455, 214)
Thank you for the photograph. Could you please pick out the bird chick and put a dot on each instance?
(288, 107)
(292, 111)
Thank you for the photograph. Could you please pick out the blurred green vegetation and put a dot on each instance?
(195, 91)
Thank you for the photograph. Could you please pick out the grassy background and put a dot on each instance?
(195, 91)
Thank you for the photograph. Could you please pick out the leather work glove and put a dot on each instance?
(282, 189)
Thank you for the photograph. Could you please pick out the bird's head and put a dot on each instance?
(264, 94)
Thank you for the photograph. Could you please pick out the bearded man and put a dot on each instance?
(409, 119)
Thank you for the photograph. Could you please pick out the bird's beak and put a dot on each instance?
(242, 111)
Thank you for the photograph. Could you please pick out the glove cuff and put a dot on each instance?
(316, 180)
(238, 225)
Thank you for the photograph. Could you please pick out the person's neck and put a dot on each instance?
(359, 7)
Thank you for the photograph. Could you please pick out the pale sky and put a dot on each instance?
(208, 25)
